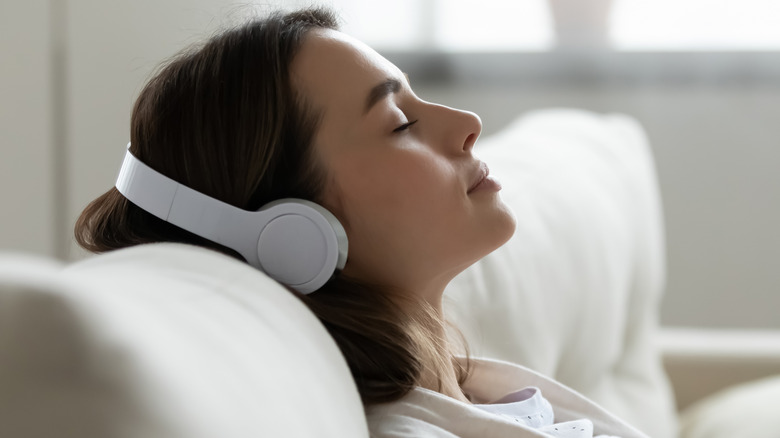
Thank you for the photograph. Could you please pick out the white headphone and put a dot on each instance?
(294, 241)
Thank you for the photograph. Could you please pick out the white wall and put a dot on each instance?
(717, 148)
(27, 207)
(112, 48)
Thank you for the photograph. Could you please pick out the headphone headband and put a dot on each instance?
(296, 242)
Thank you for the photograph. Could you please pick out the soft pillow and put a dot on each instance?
(168, 341)
(746, 410)
(575, 293)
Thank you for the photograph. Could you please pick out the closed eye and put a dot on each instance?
(404, 127)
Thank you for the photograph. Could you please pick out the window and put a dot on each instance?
(699, 25)
(540, 25)
(449, 25)
(570, 41)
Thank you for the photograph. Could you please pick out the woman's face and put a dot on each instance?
(401, 175)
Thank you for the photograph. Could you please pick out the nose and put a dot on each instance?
(461, 129)
(473, 126)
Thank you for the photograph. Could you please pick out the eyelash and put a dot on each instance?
(404, 127)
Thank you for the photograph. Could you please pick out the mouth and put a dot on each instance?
(482, 174)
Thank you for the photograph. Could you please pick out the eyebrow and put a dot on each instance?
(380, 91)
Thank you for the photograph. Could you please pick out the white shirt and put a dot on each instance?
(529, 407)
(428, 414)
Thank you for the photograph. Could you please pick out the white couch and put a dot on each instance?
(169, 340)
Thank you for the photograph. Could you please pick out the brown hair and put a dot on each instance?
(224, 119)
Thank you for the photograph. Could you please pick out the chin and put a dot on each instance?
(499, 229)
(504, 225)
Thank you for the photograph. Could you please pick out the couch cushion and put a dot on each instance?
(746, 410)
(171, 340)
(575, 293)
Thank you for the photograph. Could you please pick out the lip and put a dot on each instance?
(482, 173)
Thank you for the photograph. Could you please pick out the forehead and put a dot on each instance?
(333, 69)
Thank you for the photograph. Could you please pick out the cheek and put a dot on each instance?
(402, 188)
(409, 221)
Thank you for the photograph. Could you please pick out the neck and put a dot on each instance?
(440, 373)
(445, 383)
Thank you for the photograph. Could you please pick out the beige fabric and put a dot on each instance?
(167, 341)
(575, 293)
(701, 362)
(428, 414)
(748, 410)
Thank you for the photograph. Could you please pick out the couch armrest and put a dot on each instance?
(700, 362)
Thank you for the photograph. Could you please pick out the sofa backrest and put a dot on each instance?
(165, 340)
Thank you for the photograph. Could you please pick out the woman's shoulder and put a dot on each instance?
(491, 379)
(382, 424)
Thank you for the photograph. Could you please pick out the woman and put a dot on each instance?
(288, 107)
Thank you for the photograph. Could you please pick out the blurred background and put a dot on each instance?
(702, 76)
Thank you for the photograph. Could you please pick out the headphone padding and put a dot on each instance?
(302, 244)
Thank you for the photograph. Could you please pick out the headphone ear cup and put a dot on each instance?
(296, 242)
(301, 245)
